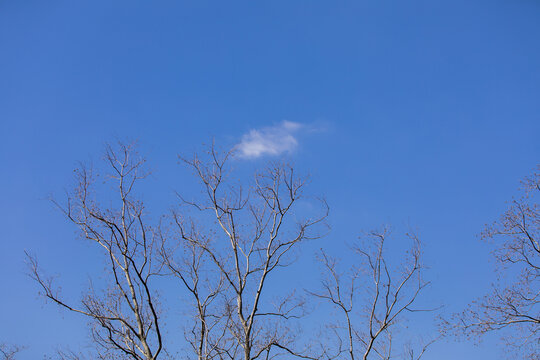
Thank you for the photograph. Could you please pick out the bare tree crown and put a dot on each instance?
(256, 229)
(372, 298)
(125, 317)
(514, 302)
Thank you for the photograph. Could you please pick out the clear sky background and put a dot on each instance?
(407, 112)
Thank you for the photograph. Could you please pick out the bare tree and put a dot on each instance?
(256, 231)
(124, 317)
(367, 322)
(514, 303)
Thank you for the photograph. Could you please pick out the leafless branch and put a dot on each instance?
(9, 352)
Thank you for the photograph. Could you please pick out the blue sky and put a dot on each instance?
(417, 112)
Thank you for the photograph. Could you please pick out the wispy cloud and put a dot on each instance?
(273, 140)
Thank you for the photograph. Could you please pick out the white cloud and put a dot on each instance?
(273, 140)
